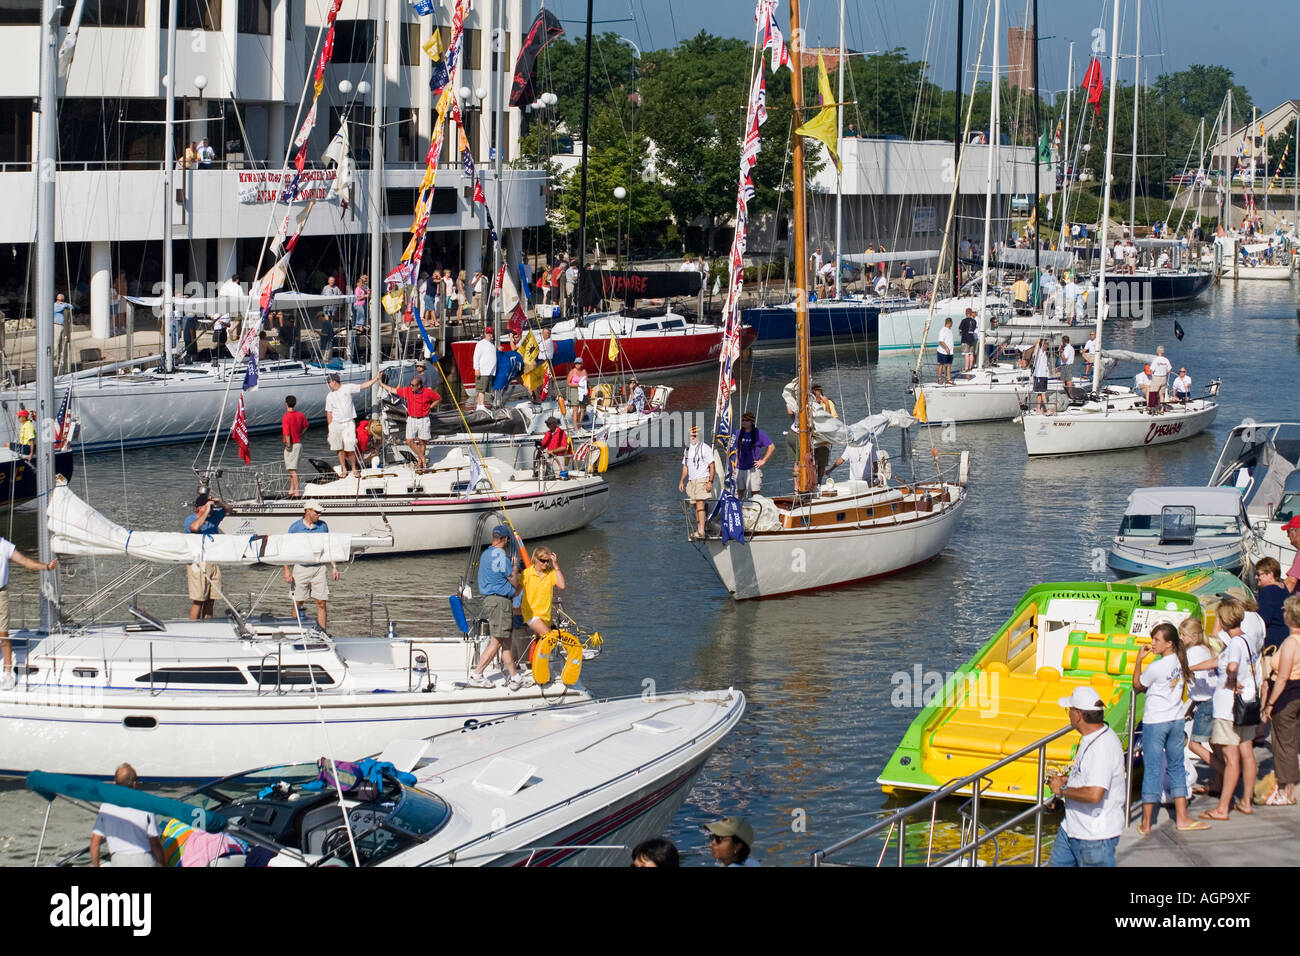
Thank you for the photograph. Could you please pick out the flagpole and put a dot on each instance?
(1105, 193)
(1065, 147)
(1133, 173)
(47, 141)
(990, 156)
(582, 190)
(839, 151)
(377, 196)
(956, 141)
(1038, 164)
(499, 104)
(169, 192)
(804, 477)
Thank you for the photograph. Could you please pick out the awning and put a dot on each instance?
(906, 255)
(1206, 501)
(1024, 258)
(241, 304)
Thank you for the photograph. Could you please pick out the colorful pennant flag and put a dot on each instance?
(823, 126)
(240, 434)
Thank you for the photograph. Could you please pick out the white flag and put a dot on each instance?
(717, 284)
(340, 152)
(476, 474)
(1049, 208)
(69, 45)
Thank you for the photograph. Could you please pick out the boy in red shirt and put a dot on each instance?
(292, 426)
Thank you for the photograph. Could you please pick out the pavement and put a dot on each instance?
(1269, 836)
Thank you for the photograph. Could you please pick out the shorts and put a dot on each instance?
(4, 610)
(698, 490)
(1040, 385)
(1182, 396)
(945, 359)
(418, 428)
(750, 480)
(343, 436)
(204, 582)
(967, 348)
(292, 455)
(573, 397)
(483, 384)
(1227, 734)
(500, 614)
(1067, 372)
(310, 582)
(1202, 720)
(821, 456)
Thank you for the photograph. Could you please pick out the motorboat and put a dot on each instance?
(1059, 637)
(437, 508)
(1260, 460)
(18, 478)
(196, 700)
(571, 786)
(1180, 529)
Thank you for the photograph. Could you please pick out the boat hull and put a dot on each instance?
(1126, 560)
(1085, 433)
(429, 523)
(828, 323)
(18, 477)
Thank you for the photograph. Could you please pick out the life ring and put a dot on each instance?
(542, 657)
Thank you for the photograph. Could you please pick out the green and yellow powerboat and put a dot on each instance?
(1060, 636)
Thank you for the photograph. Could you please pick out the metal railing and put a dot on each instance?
(977, 781)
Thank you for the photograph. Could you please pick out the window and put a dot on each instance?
(354, 41)
(290, 674)
(410, 43)
(399, 202)
(472, 50)
(194, 15)
(25, 12)
(16, 131)
(193, 675)
(408, 134)
(110, 13)
(445, 202)
(254, 17)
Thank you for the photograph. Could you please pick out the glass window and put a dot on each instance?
(194, 15)
(410, 43)
(471, 49)
(289, 674)
(193, 675)
(354, 41)
(1177, 523)
(1145, 526)
(254, 17)
(408, 134)
(24, 12)
(110, 13)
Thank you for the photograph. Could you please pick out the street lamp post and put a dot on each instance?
(620, 194)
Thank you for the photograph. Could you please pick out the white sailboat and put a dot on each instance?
(1114, 417)
(839, 532)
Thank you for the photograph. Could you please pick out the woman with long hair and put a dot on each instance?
(1235, 743)
(1202, 662)
(1163, 742)
(1283, 707)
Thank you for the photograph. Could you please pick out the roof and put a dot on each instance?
(1209, 501)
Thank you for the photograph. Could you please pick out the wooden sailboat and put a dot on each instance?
(859, 528)
(1115, 417)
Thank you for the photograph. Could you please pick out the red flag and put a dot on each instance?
(501, 274)
(1094, 82)
(240, 434)
(478, 192)
(516, 323)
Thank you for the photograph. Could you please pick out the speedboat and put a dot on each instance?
(195, 700)
(572, 786)
(1059, 637)
(1180, 529)
(1261, 461)
(437, 508)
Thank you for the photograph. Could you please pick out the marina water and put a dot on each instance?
(824, 673)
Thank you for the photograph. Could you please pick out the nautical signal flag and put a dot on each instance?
(613, 347)
(1094, 83)
(918, 410)
(240, 434)
(545, 28)
(479, 197)
(822, 126)
(438, 76)
(1178, 331)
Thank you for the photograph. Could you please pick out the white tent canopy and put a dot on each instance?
(77, 528)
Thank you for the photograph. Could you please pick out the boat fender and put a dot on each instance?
(602, 456)
(542, 657)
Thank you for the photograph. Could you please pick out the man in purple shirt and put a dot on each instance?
(754, 449)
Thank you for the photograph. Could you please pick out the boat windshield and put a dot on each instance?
(244, 785)
(1206, 526)
(1289, 507)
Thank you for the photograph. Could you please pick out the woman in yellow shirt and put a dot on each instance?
(539, 584)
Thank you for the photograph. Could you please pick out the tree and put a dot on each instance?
(562, 66)
(1199, 91)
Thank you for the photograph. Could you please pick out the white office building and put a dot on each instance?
(244, 70)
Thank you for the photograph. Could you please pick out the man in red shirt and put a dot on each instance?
(555, 444)
(292, 426)
(419, 400)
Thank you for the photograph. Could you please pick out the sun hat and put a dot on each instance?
(1083, 698)
(313, 505)
(737, 827)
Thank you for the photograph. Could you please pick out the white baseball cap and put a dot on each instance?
(1083, 698)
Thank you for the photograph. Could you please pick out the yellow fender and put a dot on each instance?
(542, 657)
(601, 451)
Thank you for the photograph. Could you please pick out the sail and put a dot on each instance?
(77, 528)
(827, 427)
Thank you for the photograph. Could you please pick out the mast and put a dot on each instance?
(839, 148)
(169, 191)
(376, 200)
(1065, 147)
(803, 475)
(1038, 128)
(1227, 163)
(989, 157)
(1295, 181)
(582, 193)
(1133, 173)
(956, 131)
(1105, 195)
(499, 103)
(46, 144)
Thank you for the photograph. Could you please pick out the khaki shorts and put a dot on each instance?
(418, 428)
(204, 582)
(293, 455)
(310, 583)
(500, 614)
(698, 490)
(483, 385)
(343, 436)
(4, 610)
(1227, 734)
(750, 480)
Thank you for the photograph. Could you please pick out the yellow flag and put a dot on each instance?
(433, 46)
(528, 349)
(613, 347)
(533, 377)
(918, 410)
(392, 302)
(822, 126)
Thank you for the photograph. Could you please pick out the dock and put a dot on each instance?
(1267, 837)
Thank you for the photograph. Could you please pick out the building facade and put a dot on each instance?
(244, 71)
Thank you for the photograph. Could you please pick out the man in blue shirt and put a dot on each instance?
(498, 579)
(753, 449)
(310, 580)
(637, 405)
(204, 582)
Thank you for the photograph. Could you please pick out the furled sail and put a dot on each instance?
(829, 428)
(77, 528)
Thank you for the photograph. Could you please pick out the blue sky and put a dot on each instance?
(1175, 33)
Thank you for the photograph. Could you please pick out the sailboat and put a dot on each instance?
(1115, 417)
(863, 527)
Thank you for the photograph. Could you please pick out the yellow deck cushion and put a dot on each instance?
(983, 738)
(1059, 750)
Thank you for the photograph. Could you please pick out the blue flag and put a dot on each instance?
(523, 282)
(250, 376)
(733, 524)
(492, 230)
(509, 364)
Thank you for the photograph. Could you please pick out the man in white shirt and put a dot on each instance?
(861, 460)
(131, 835)
(206, 155)
(571, 287)
(341, 415)
(697, 477)
(1182, 387)
(331, 288)
(1071, 300)
(485, 366)
(1089, 350)
(688, 265)
(1065, 362)
(1094, 789)
(1142, 382)
(1160, 369)
(230, 297)
(1042, 372)
(945, 353)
